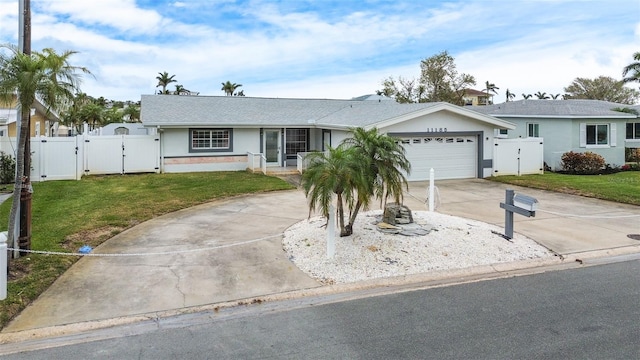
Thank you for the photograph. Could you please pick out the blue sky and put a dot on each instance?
(330, 49)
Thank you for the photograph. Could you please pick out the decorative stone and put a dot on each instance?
(397, 214)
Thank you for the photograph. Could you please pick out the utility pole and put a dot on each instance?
(24, 240)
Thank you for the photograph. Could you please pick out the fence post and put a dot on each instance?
(3, 265)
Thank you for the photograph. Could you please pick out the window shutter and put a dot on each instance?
(612, 134)
(583, 135)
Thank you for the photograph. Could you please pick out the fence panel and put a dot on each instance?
(141, 153)
(55, 158)
(519, 156)
(103, 155)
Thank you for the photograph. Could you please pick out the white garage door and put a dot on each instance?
(452, 157)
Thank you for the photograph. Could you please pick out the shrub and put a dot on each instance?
(7, 169)
(582, 163)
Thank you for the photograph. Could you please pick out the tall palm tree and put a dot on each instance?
(384, 160)
(339, 172)
(164, 80)
(542, 95)
(509, 95)
(46, 75)
(631, 72)
(229, 88)
(490, 88)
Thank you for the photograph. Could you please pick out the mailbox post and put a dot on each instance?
(517, 203)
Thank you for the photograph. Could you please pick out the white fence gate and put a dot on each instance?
(68, 158)
(521, 156)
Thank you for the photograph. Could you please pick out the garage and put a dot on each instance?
(452, 157)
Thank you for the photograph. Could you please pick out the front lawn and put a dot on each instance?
(69, 214)
(623, 187)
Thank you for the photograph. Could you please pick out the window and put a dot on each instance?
(633, 131)
(121, 130)
(296, 141)
(597, 134)
(206, 140)
(503, 132)
(533, 130)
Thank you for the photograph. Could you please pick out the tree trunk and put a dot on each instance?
(17, 187)
(340, 209)
(352, 218)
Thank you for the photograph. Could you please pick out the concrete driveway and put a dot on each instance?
(566, 224)
(229, 250)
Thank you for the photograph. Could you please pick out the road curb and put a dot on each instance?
(71, 333)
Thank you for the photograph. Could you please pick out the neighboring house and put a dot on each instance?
(572, 125)
(43, 122)
(474, 97)
(122, 129)
(214, 133)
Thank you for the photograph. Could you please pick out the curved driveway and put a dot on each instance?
(199, 271)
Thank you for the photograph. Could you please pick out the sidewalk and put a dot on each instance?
(249, 261)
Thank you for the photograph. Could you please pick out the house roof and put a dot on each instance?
(240, 111)
(557, 109)
(472, 92)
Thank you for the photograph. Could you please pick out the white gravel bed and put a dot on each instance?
(453, 243)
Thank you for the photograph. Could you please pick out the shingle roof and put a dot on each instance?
(173, 110)
(555, 108)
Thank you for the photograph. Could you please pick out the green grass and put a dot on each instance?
(623, 187)
(69, 214)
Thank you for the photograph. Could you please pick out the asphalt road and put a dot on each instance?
(590, 312)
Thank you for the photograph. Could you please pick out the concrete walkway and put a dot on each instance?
(209, 256)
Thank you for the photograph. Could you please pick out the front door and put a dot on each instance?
(272, 146)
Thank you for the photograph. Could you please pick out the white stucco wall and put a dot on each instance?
(177, 158)
(563, 135)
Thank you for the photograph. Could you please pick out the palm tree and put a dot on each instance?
(542, 95)
(132, 112)
(509, 95)
(338, 172)
(229, 88)
(490, 88)
(92, 114)
(164, 80)
(526, 96)
(46, 75)
(180, 90)
(384, 160)
(632, 70)
(555, 97)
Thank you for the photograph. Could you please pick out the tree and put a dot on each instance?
(602, 88)
(526, 96)
(555, 97)
(338, 172)
(47, 75)
(164, 80)
(92, 114)
(229, 88)
(364, 166)
(132, 113)
(490, 88)
(509, 95)
(542, 95)
(384, 160)
(439, 81)
(180, 90)
(631, 72)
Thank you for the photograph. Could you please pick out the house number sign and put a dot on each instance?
(436, 129)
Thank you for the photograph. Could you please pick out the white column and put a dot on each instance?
(3, 265)
(331, 233)
(431, 189)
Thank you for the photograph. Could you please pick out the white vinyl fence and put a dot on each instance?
(521, 156)
(68, 158)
